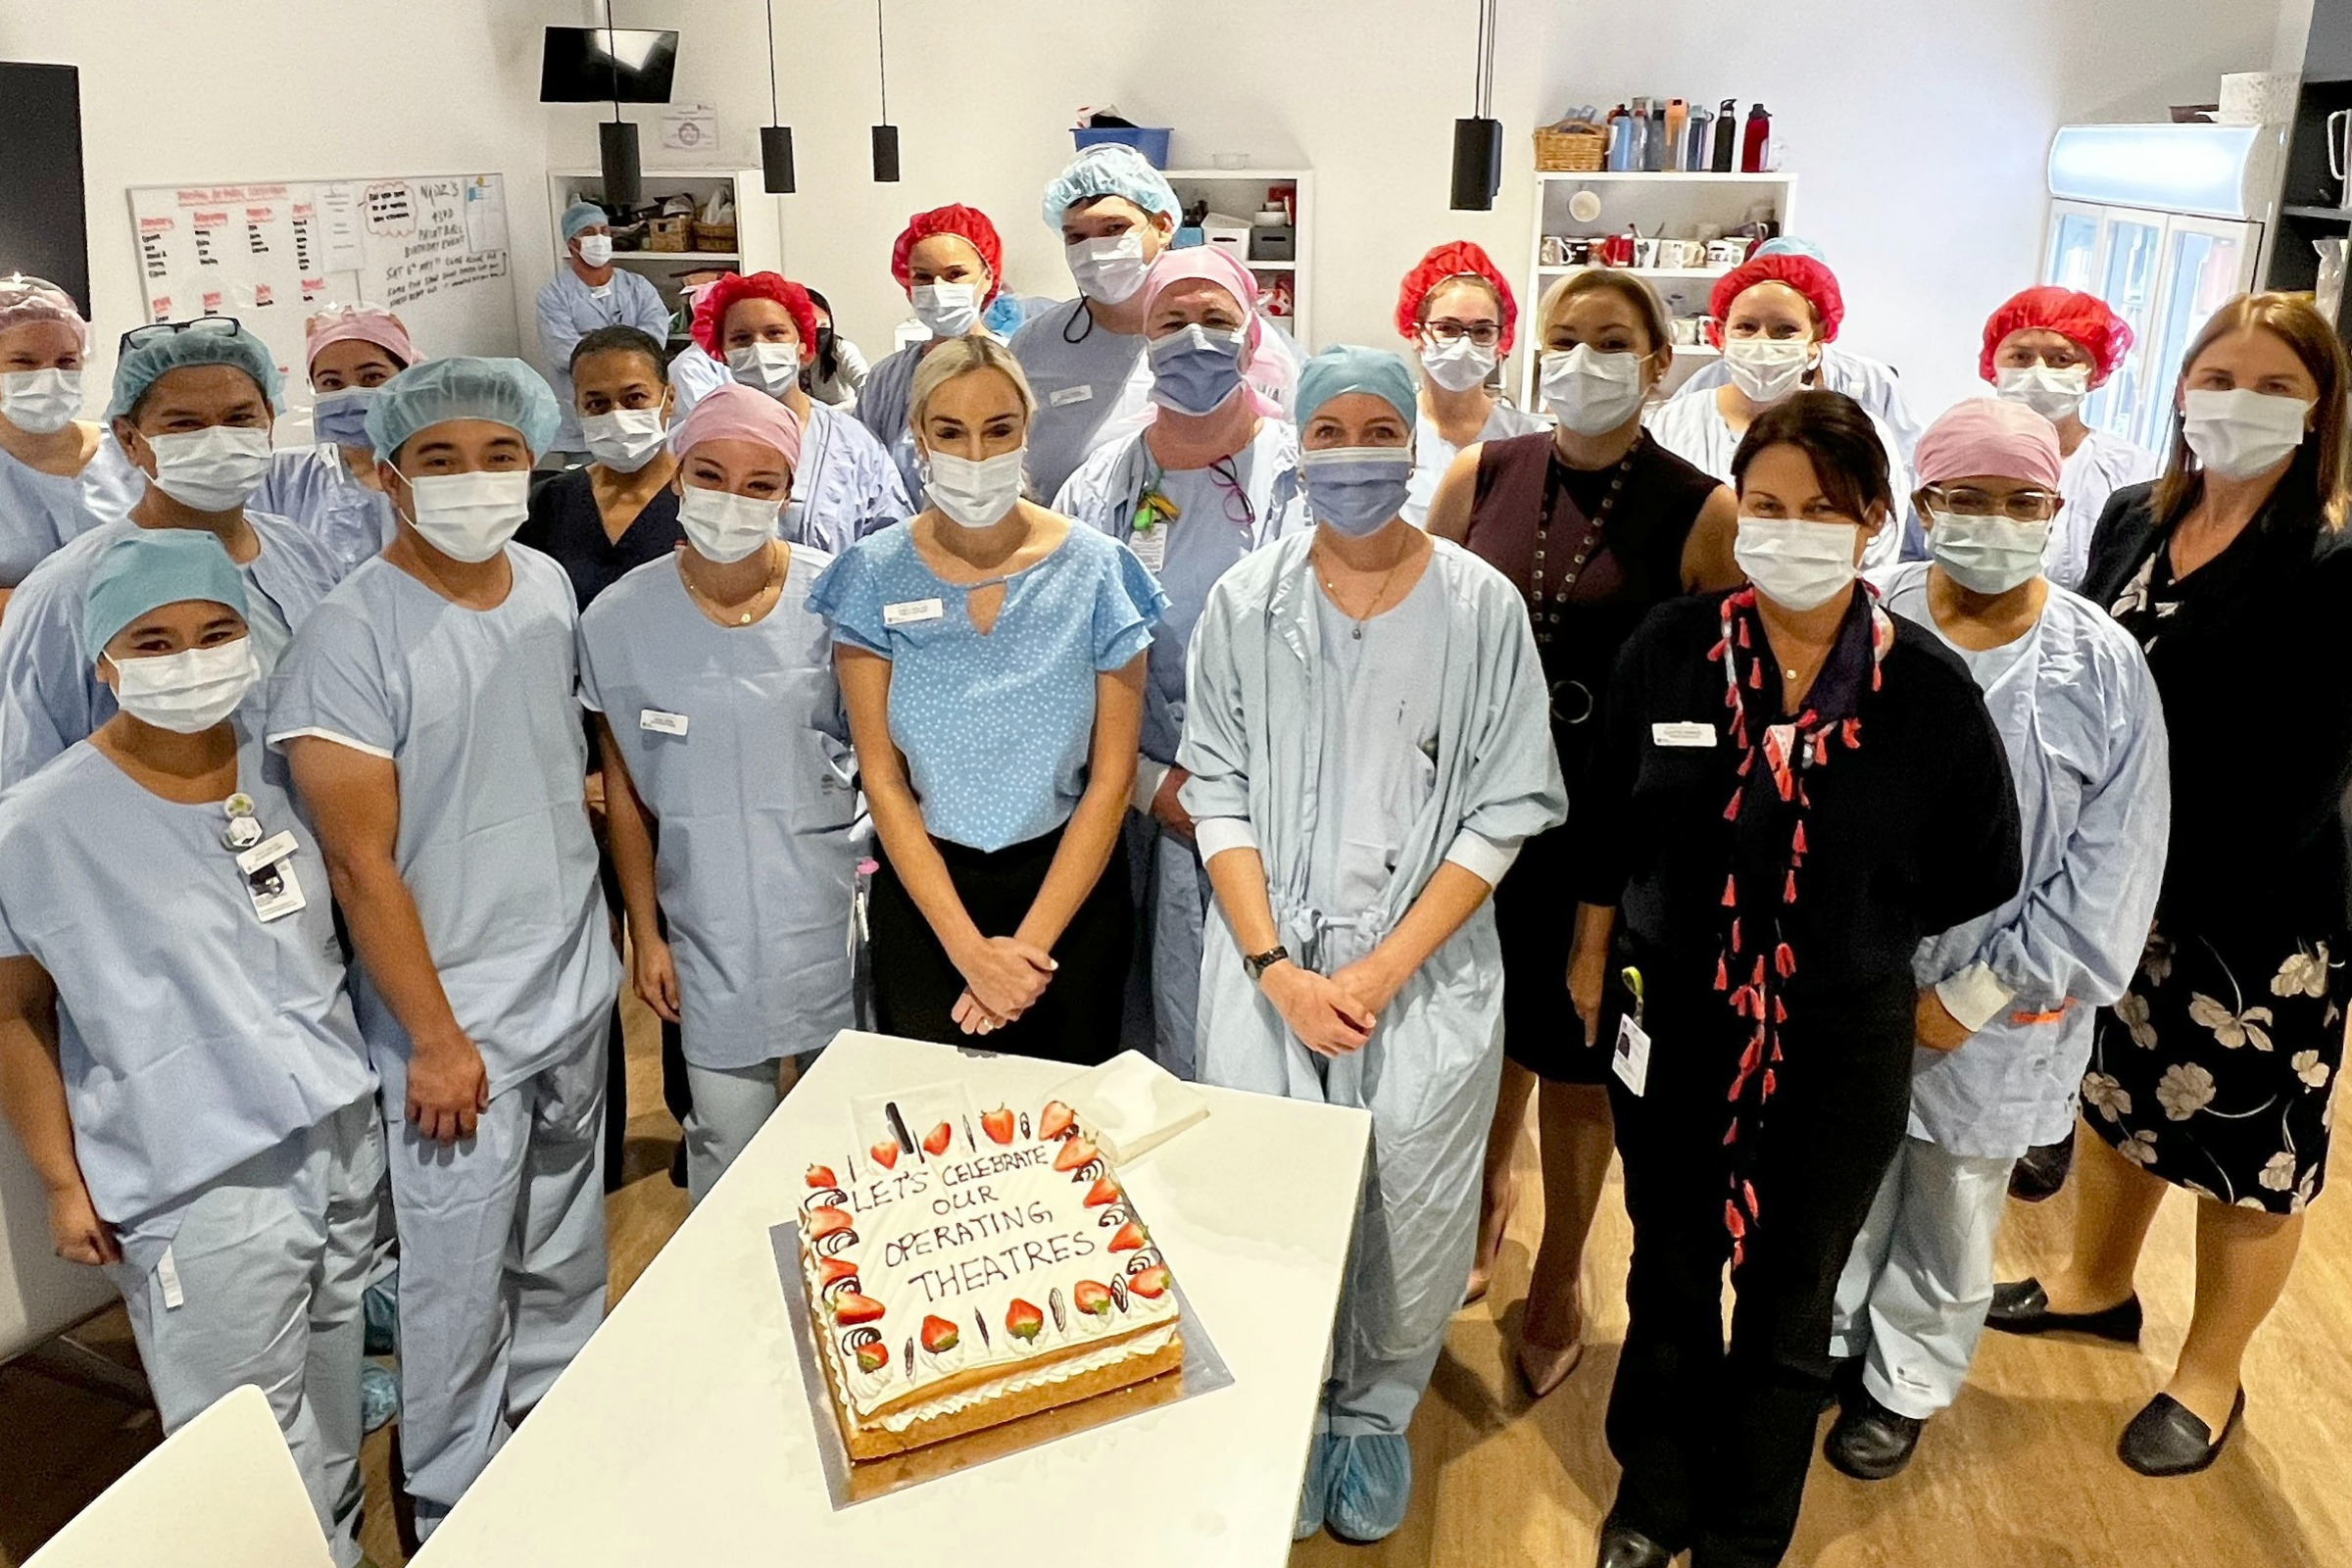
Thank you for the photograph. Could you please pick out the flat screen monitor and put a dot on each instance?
(589, 65)
(43, 228)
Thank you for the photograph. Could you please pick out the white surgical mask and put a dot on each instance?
(40, 402)
(1458, 366)
(1109, 270)
(596, 249)
(769, 367)
(974, 495)
(625, 439)
(217, 469)
(2240, 434)
(471, 516)
(2052, 394)
(1590, 392)
(949, 309)
(1796, 565)
(724, 526)
(189, 692)
(1767, 370)
(1986, 554)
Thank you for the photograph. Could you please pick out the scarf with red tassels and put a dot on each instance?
(1774, 764)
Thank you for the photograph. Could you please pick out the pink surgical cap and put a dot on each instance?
(737, 412)
(357, 324)
(24, 300)
(1989, 438)
(1270, 372)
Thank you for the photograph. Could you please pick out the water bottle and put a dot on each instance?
(1727, 135)
(1755, 145)
(1619, 158)
(1678, 125)
(1695, 142)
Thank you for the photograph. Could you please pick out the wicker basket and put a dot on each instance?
(713, 236)
(670, 233)
(1571, 147)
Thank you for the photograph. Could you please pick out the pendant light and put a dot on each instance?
(617, 138)
(886, 134)
(775, 139)
(1478, 140)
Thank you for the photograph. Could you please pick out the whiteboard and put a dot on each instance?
(432, 248)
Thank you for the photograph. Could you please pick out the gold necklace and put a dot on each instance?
(1373, 608)
(774, 582)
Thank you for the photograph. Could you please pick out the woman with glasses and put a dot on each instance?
(1596, 525)
(330, 488)
(1459, 314)
(2006, 1000)
(1211, 477)
(60, 476)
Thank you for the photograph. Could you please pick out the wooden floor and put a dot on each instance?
(2019, 1474)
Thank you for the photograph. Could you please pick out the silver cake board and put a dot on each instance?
(850, 1482)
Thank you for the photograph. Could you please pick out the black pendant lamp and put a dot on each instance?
(1478, 140)
(617, 138)
(775, 139)
(886, 134)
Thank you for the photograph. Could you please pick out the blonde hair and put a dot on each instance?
(2320, 474)
(962, 356)
(1635, 291)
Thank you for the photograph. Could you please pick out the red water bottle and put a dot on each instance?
(1755, 146)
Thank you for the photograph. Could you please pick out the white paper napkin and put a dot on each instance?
(1132, 1105)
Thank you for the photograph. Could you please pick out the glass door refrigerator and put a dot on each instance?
(2164, 222)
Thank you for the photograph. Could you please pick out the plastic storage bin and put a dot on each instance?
(1149, 140)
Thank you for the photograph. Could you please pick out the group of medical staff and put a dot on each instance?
(1325, 727)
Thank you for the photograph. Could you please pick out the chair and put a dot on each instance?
(221, 1492)
(41, 1295)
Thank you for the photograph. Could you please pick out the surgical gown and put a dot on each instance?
(1093, 386)
(1873, 383)
(39, 513)
(1433, 454)
(313, 488)
(846, 486)
(1444, 752)
(2100, 467)
(693, 376)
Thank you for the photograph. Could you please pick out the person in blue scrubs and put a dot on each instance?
(588, 292)
(1369, 742)
(846, 488)
(991, 658)
(1213, 476)
(427, 711)
(192, 407)
(191, 1085)
(330, 489)
(60, 475)
(730, 790)
(951, 262)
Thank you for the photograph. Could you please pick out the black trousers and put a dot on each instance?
(915, 985)
(1716, 1443)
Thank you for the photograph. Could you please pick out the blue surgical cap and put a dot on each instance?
(582, 214)
(1786, 246)
(151, 568)
(1108, 169)
(142, 366)
(1352, 370)
(505, 391)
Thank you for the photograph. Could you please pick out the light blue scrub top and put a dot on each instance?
(693, 376)
(191, 1035)
(1089, 391)
(882, 410)
(477, 711)
(996, 729)
(569, 310)
(845, 487)
(310, 487)
(736, 741)
(39, 513)
(1223, 512)
(51, 696)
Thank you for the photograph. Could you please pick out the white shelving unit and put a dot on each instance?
(1240, 193)
(759, 224)
(1671, 206)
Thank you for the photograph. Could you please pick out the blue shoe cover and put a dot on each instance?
(1372, 1483)
(1315, 1491)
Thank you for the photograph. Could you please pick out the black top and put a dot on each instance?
(565, 523)
(1914, 831)
(2250, 655)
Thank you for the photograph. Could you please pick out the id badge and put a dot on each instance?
(1068, 394)
(662, 723)
(1631, 1058)
(275, 891)
(910, 612)
(1151, 546)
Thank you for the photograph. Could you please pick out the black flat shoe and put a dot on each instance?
(2166, 1440)
(2022, 1307)
(2042, 1171)
(1870, 1441)
(1621, 1548)
(1845, 1382)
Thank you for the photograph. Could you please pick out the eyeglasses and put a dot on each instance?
(1445, 330)
(164, 331)
(2019, 506)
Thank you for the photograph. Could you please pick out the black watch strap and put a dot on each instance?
(1257, 963)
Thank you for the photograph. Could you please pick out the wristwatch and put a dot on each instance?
(1257, 963)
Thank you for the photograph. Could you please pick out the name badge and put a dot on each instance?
(1631, 1060)
(1069, 395)
(662, 723)
(265, 854)
(274, 892)
(1151, 546)
(1682, 735)
(906, 612)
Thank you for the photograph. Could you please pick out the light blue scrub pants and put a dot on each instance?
(730, 1106)
(502, 1265)
(1172, 894)
(256, 1277)
(1913, 1297)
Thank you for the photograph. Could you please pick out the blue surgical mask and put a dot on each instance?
(1357, 489)
(1195, 370)
(342, 416)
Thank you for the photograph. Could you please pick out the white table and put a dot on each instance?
(681, 1433)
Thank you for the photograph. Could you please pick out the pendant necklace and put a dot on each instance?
(775, 580)
(1357, 631)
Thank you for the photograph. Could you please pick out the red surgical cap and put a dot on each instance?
(1458, 259)
(2082, 320)
(967, 224)
(1816, 282)
(710, 308)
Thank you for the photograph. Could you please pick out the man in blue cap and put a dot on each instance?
(429, 717)
(588, 292)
